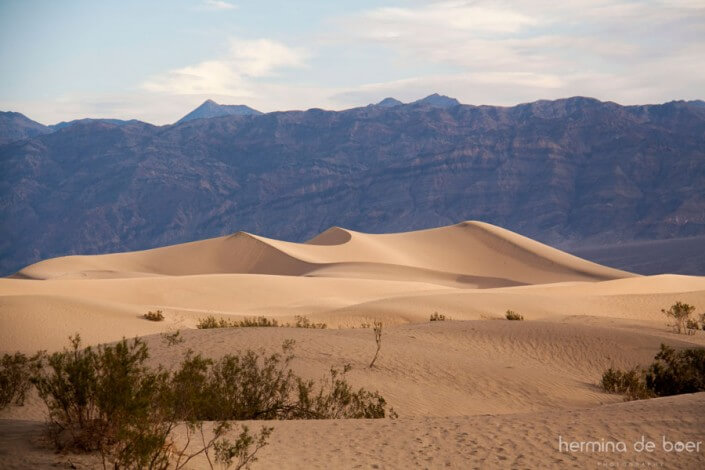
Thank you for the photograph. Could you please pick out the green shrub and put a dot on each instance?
(512, 315)
(337, 399)
(675, 372)
(251, 385)
(435, 316)
(680, 313)
(238, 452)
(16, 371)
(106, 399)
(672, 373)
(156, 315)
(630, 383)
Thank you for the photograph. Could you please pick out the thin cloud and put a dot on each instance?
(234, 74)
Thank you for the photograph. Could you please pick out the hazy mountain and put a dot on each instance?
(64, 124)
(17, 126)
(211, 109)
(438, 101)
(569, 172)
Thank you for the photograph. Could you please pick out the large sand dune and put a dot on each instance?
(475, 391)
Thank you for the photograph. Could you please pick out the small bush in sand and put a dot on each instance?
(672, 373)
(156, 315)
(512, 315)
(16, 371)
(304, 322)
(251, 322)
(172, 339)
(377, 327)
(680, 314)
(435, 316)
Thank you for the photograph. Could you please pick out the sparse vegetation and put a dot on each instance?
(680, 314)
(304, 322)
(629, 383)
(512, 315)
(377, 327)
(15, 373)
(250, 322)
(156, 315)
(435, 316)
(672, 373)
(106, 399)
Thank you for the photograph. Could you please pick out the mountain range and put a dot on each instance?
(573, 172)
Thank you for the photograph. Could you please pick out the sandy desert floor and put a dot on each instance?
(476, 391)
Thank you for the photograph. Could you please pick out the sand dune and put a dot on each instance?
(472, 249)
(475, 391)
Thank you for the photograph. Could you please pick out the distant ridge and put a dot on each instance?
(211, 109)
(16, 126)
(64, 124)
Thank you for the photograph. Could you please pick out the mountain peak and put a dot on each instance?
(211, 109)
(438, 101)
(389, 102)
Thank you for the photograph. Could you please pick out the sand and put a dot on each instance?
(473, 391)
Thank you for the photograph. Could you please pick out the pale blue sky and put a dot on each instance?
(62, 60)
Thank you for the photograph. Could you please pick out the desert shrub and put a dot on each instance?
(630, 383)
(336, 399)
(228, 453)
(512, 315)
(96, 396)
(211, 322)
(435, 316)
(304, 322)
(16, 371)
(251, 385)
(172, 339)
(672, 373)
(156, 315)
(106, 399)
(675, 372)
(680, 314)
(256, 322)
